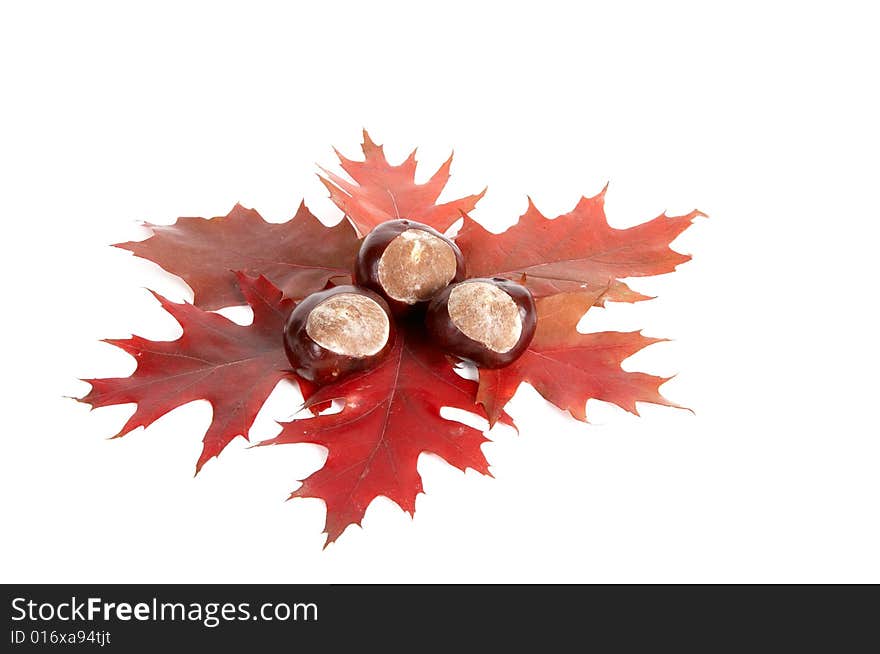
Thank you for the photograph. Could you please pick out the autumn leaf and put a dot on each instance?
(384, 192)
(232, 366)
(391, 415)
(568, 368)
(576, 251)
(298, 256)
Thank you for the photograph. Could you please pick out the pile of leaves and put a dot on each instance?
(391, 413)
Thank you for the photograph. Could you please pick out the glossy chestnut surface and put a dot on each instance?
(489, 321)
(407, 263)
(335, 332)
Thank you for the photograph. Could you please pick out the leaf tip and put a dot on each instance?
(330, 186)
(203, 459)
(579, 413)
(84, 399)
(242, 278)
(598, 199)
(127, 429)
(161, 299)
(666, 402)
(369, 146)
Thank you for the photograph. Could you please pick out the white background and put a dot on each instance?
(764, 116)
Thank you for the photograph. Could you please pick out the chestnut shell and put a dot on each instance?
(366, 271)
(452, 340)
(315, 363)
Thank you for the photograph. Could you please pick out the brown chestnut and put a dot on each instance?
(407, 263)
(488, 321)
(338, 331)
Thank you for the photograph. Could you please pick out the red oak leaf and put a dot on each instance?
(298, 256)
(232, 366)
(568, 368)
(575, 251)
(391, 415)
(384, 192)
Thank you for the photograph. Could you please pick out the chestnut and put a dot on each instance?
(407, 263)
(487, 321)
(338, 331)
